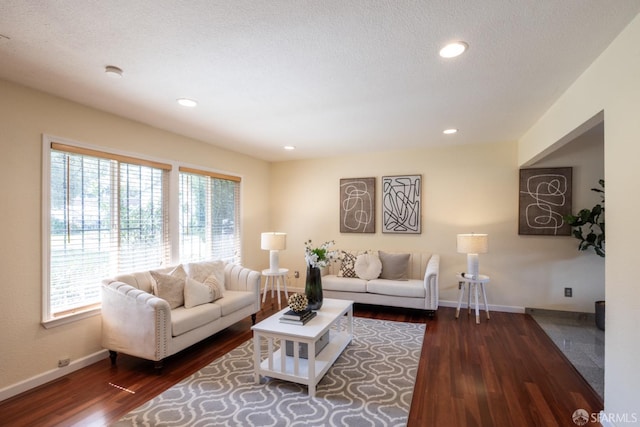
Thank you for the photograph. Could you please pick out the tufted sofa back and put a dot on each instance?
(417, 263)
(141, 280)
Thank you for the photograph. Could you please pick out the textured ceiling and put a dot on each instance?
(329, 77)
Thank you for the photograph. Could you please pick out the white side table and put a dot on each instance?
(277, 277)
(481, 280)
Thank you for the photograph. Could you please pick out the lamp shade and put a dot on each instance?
(273, 241)
(473, 243)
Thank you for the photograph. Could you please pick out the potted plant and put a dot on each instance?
(588, 228)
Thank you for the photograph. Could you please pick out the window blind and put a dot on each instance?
(209, 216)
(109, 215)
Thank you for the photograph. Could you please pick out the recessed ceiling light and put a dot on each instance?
(289, 147)
(186, 102)
(453, 49)
(450, 131)
(113, 71)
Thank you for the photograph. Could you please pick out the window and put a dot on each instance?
(106, 214)
(209, 216)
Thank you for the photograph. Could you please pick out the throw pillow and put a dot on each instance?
(196, 293)
(368, 266)
(213, 284)
(201, 270)
(394, 266)
(347, 269)
(170, 287)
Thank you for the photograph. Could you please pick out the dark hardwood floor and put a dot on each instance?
(502, 372)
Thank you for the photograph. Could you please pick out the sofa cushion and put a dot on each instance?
(394, 266)
(170, 287)
(344, 284)
(347, 269)
(185, 319)
(233, 301)
(368, 266)
(399, 288)
(201, 270)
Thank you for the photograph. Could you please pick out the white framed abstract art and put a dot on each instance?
(402, 204)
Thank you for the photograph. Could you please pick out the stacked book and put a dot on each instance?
(298, 318)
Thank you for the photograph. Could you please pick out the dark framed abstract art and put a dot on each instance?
(545, 198)
(358, 205)
(402, 204)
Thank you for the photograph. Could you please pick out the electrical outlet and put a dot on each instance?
(568, 292)
(64, 362)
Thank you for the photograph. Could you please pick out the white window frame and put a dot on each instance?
(48, 320)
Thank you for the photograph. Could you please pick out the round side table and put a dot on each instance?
(481, 280)
(277, 277)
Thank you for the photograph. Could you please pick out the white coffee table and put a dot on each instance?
(277, 364)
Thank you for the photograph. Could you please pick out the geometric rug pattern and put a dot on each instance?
(370, 384)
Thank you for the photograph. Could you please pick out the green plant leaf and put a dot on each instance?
(594, 235)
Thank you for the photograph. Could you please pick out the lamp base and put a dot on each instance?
(274, 262)
(472, 266)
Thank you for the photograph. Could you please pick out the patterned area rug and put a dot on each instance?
(371, 384)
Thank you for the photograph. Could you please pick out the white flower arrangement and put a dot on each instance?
(319, 257)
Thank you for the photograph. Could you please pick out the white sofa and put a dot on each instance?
(414, 286)
(139, 323)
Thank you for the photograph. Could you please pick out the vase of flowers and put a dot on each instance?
(316, 259)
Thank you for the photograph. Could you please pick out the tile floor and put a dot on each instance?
(577, 336)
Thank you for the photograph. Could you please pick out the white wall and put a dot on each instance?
(611, 84)
(29, 350)
(584, 272)
(470, 188)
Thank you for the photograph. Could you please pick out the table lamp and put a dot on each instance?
(273, 242)
(472, 245)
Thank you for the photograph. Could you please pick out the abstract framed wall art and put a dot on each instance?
(402, 204)
(545, 198)
(358, 205)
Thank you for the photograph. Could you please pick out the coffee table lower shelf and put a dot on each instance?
(309, 372)
(301, 364)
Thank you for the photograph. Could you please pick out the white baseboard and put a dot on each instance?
(444, 303)
(492, 307)
(54, 374)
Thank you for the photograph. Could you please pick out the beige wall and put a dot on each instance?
(28, 349)
(611, 84)
(470, 188)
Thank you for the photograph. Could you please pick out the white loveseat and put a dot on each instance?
(411, 279)
(139, 323)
